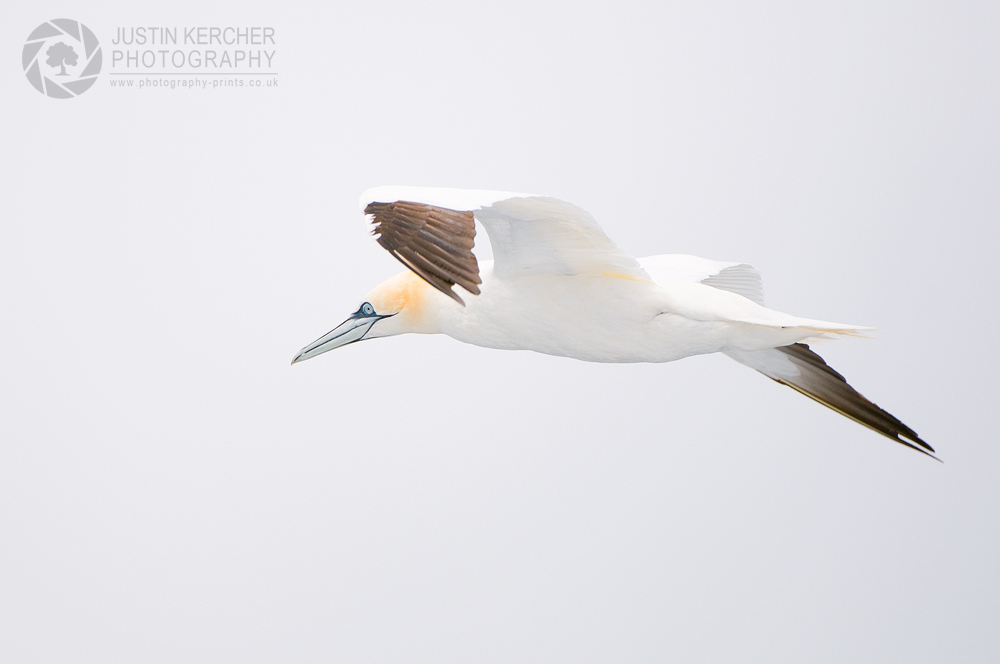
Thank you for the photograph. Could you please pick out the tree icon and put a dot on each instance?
(60, 55)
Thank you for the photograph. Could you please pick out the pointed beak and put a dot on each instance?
(351, 330)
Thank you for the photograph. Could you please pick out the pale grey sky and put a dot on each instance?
(171, 490)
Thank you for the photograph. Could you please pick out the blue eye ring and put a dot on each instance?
(367, 309)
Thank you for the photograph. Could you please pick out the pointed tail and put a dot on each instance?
(804, 371)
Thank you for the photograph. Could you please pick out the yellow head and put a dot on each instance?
(396, 306)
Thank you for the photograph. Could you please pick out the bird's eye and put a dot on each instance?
(367, 309)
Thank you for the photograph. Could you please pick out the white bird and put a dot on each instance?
(559, 285)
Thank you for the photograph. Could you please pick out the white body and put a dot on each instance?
(601, 318)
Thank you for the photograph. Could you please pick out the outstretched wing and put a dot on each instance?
(431, 231)
(543, 235)
(434, 242)
(801, 369)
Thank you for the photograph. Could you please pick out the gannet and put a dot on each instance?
(559, 285)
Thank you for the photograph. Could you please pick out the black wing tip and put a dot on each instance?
(906, 437)
(921, 447)
(924, 444)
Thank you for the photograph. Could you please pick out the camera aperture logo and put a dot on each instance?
(61, 58)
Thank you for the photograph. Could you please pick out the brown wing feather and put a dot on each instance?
(435, 242)
(820, 382)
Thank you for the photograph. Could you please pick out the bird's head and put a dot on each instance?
(396, 306)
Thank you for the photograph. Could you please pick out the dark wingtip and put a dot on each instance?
(919, 449)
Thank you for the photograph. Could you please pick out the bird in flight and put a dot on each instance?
(559, 285)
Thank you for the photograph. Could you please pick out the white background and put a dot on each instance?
(172, 491)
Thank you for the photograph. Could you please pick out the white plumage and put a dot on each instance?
(559, 285)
